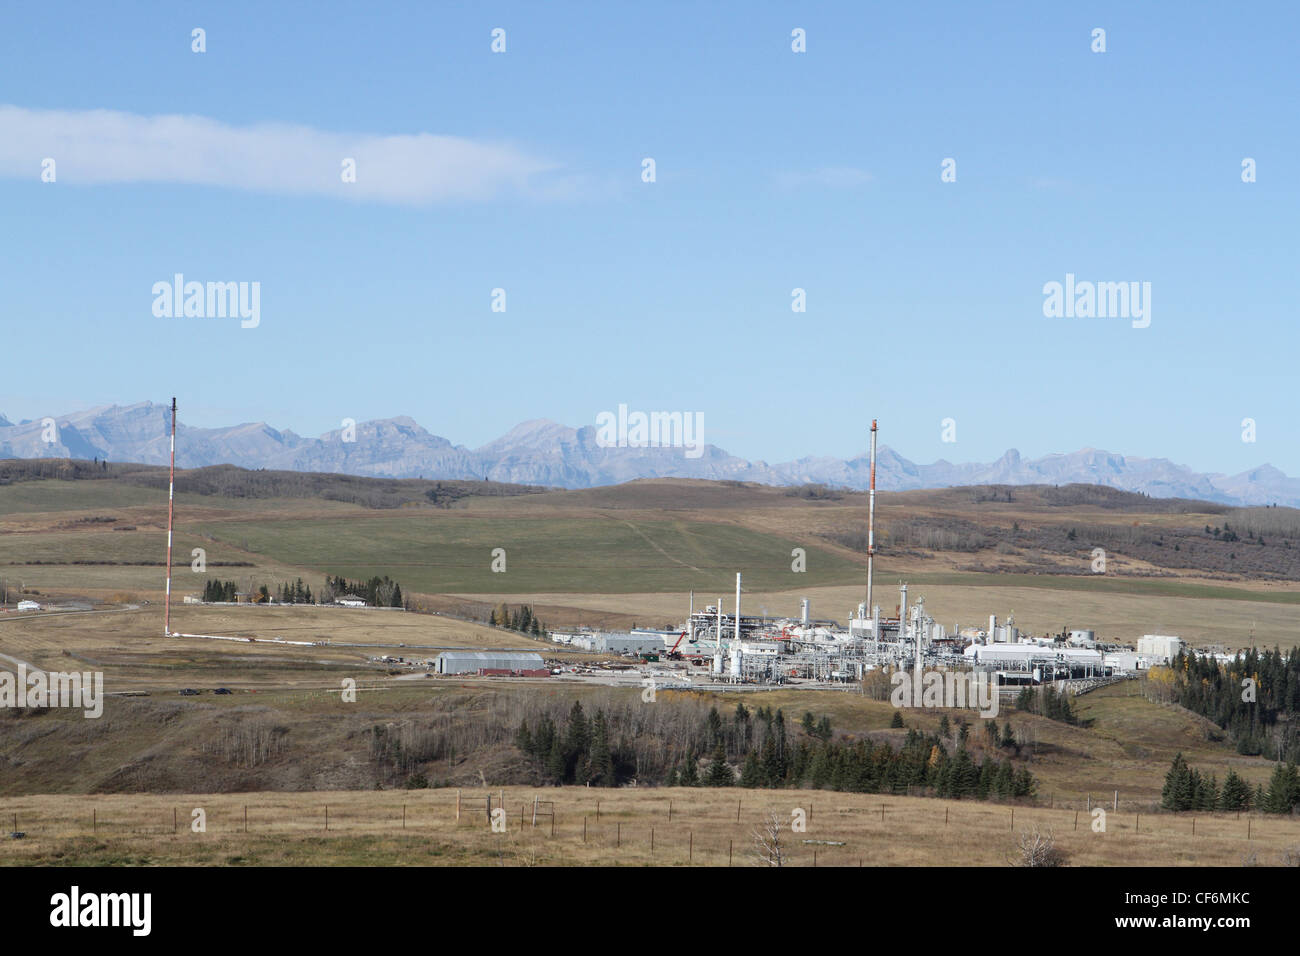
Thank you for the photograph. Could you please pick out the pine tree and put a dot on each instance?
(751, 772)
(601, 770)
(1177, 791)
(824, 728)
(897, 720)
(523, 739)
(690, 773)
(719, 774)
(1235, 794)
(1283, 789)
(555, 768)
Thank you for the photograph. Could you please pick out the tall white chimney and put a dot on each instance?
(737, 632)
(902, 612)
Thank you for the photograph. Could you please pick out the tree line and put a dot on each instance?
(1046, 702)
(1186, 788)
(521, 619)
(377, 591)
(1255, 697)
(755, 749)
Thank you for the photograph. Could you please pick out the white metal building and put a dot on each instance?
(1160, 647)
(471, 662)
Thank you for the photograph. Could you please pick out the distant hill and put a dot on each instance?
(543, 452)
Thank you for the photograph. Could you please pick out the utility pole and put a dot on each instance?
(171, 499)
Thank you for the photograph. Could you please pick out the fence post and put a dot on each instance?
(327, 816)
(403, 816)
(94, 820)
(1115, 806)
(737, 811)
(245, 818)
(652, 839)
(690, 847)
(618, 836)
(457, 804)
(1076, 819)
(584, 829)
(173, 820)
(670, 809)
(730, 845)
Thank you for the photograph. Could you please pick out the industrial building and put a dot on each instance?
(472, 662)
(1160, 648)
(725, 645)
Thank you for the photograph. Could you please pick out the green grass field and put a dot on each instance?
(432, 552)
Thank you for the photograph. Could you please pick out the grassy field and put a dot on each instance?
(627, 827)
(452, 552)
(616, 556)
(610, 557)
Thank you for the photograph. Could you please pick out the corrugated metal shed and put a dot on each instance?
(470, 662)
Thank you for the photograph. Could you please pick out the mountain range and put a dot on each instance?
(542, 452)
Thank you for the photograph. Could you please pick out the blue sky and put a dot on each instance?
(775, 170)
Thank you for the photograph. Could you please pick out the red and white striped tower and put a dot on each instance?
(871, 523)
(171, 498)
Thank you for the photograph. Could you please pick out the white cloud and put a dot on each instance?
(109, 146)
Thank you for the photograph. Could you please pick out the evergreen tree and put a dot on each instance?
(1283, 789)
(824, 728)
(719, 774)
(690, 773)
(1235, 794)
(1177, 793)
(751, 771)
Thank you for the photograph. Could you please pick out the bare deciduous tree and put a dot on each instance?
(1037, 847)
(767, 841)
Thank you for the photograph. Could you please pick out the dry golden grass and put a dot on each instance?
(129, 648)
(708, 828)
